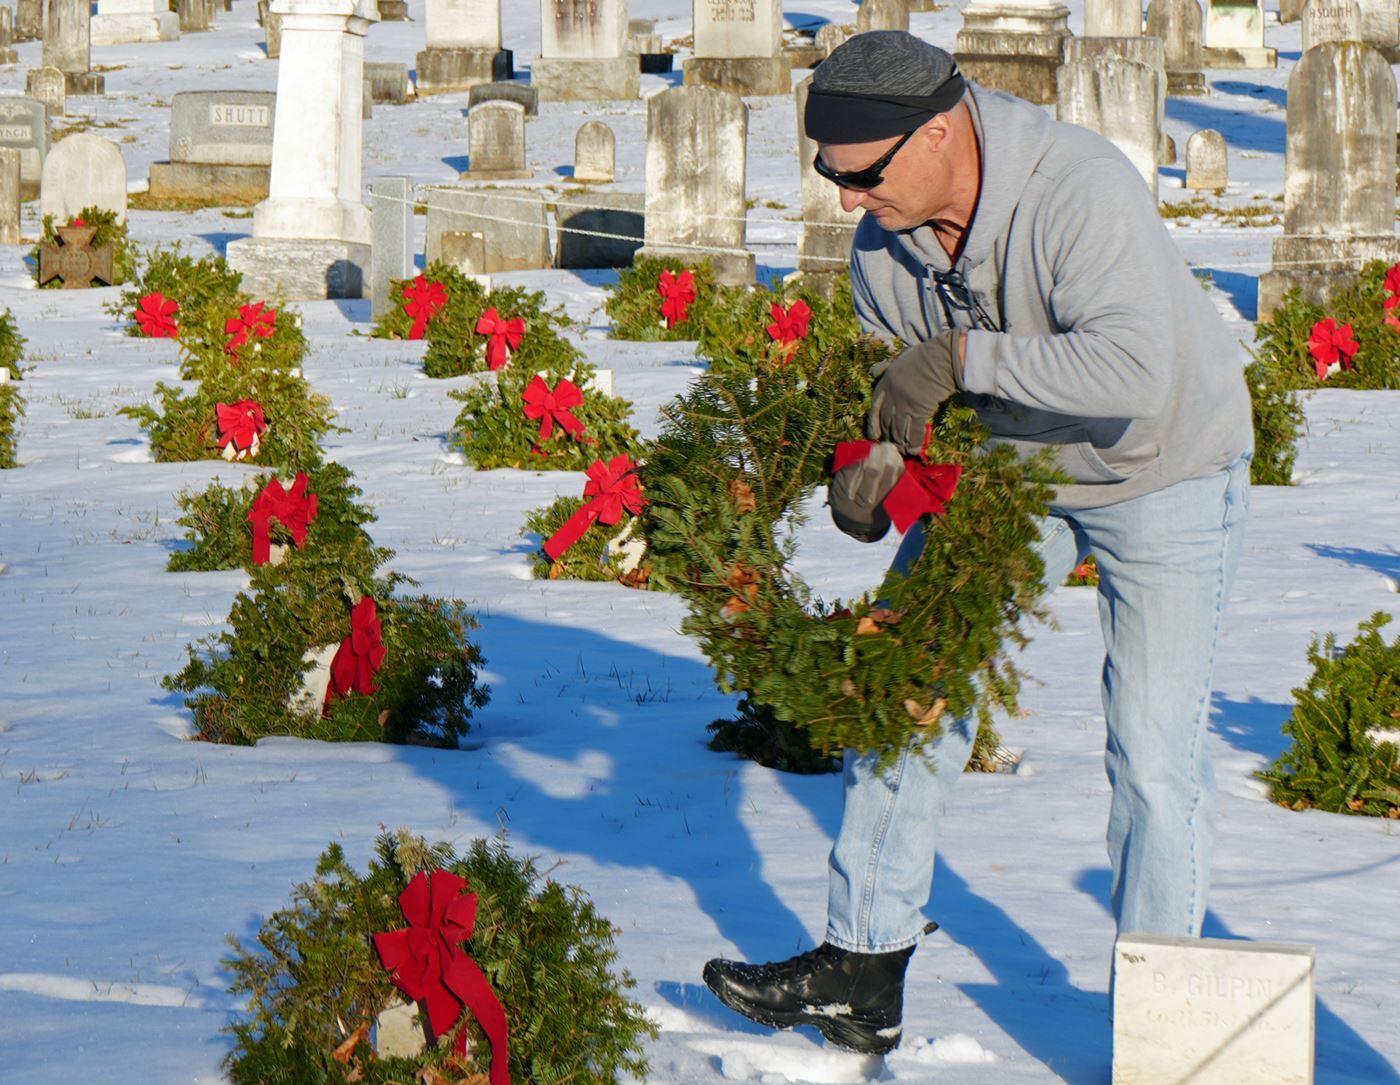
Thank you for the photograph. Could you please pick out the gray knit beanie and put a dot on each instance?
(880, 84)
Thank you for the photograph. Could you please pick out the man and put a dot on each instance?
(1025, 261)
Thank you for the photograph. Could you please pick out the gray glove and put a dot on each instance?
(858, 490)
(910, 389)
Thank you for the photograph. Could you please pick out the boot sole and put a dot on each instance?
(840, 1031)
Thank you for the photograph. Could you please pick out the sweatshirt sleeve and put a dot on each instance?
(1100, 242)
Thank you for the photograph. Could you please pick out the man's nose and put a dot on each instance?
(851, 199)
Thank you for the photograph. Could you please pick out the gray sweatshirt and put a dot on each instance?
(1108, 348)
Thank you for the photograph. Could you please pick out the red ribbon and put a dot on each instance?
(155, 314)
(923, 488)
(552, 406)
(505, 336)
(1329, 344)
(427, 963)
(790, 324)
(240, 423)
(251, 319)
(614, 488)
(295, 508)
(360, 655)
(677, 292)
(423, 299)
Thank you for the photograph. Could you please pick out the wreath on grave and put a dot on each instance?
(108, 231)
(272, 518)
(664, 298)
(724, 482)
(612, 543)
(513, 973)
(763, 329)
(11, 399)
(555, 420)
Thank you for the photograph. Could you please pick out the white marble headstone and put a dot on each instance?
(738, 28)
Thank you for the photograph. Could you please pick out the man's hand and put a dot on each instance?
(858, 490)
(911, 388)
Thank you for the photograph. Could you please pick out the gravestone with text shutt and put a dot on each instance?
(738, 47)
(583, 52)
(220, 147)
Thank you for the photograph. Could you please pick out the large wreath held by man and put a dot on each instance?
(724, 481)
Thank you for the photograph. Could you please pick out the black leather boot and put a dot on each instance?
(855, 1000)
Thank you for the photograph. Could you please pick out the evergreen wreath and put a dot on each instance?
(220, 532)
(11, 345)
(12, 406)
(504, 420)
(635, 304)
(109, 232)
(1345, 727)
(762, 329)
(316, 985)
(724, 479)
(605, 552)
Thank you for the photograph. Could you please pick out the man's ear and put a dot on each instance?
(937, 130)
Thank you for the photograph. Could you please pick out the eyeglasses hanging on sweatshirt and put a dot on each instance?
(956, 296)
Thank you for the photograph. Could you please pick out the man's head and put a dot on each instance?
(887, 112)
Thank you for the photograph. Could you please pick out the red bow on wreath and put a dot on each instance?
(360, 655)
(239, 427)
(923, 488)
(678, 293)
(295, 508)
(155, 314)
(423, 299)
(1331, 344)
(552, 406)
(614, 488)
(505, 336)
(252, 319)
(427, 963)
(790, 324)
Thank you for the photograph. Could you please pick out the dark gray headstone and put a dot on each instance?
(24, 125)
(519, 93)
(227, 127)
(388, 82)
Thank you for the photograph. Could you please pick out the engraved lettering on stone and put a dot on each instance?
(19, 133)
(732, 11)
(242, 116)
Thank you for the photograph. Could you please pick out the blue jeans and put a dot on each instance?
(1166, 561)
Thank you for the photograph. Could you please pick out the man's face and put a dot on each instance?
(903, 199)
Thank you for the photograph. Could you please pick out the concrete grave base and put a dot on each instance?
(1239, 57)
(79, 84)
(740, 75)
(121, 29)
(213, 185)
(606, 79)
(579, 218)
(514, 223)
(300, 269)
(1186, 85)
(731, 269)
(1320, 266)
(443, 71)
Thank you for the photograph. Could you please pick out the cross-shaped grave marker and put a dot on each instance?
(73, 260)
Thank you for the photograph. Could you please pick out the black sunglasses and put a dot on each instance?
(861, 180)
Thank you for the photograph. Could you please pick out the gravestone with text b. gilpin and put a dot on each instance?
(738, 47)
(583, 52)
(220, 147)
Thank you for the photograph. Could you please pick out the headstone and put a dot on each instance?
(1178, 24)
(1330, 20)
(1210, 1011)
(595, 149)
(1235, 35)
(120, 21)
(583, 55)
(513, 222)
(882, 15)
(464, 250)
(463, 45)
(47, 85)
(824, 246)
(602, 229)
(1014, 45)
(29, 20)
(388, 82)
(829, 36)
(696, 154)
(1207, 164)
(642, 36)
(220, 147)
(391, 228)
(311, 236)
(366, 100)
(68, 45)
(1143, 50)
(1112, 18)
(496, 142)
(8, 53)
(24, 126)
(83, 170)
(1290, 11)
(738, 47)
(1339, 174)
(11, 196)
(1380, 26)
(393, 11)
(520, 93)
(73, 260)
(1118, 99)
(194, 16)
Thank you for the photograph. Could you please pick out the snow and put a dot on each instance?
(129, 853)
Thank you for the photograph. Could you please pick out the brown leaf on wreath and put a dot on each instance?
(554, 570)
(636, 578)
(346, 1051)
(886, 616)
(742, 493)
(848, 688)
(925, 717)
(866, 626)
(733, 608)
(743, 580)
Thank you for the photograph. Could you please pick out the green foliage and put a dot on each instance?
(313, 977)
(193, 284)
(464, 293)
(1278, 422)
(735, 458)
(185, 427)
(11, 346)
(592, 557)
(11, 411)
(1345, 727)
(217, 527)
(634, 306)
(492, 430)
(1084, 575)
(735, 339)
(109, 232)
(756, 734)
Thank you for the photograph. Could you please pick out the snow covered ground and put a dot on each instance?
(128, 853)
